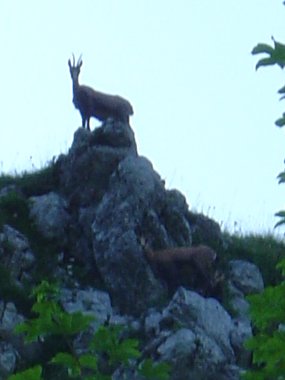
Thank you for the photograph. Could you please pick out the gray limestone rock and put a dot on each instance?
(49, 212)
(8, 359)
(194, 311)
(134, 189)
(246, 277)
(16, 254)
(85, 171)
(95, 303)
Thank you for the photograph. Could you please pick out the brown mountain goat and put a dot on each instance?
(186, 266)
(91, 103)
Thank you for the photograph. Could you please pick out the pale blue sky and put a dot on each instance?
(203, 116)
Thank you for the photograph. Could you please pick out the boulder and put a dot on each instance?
(85, 171)
(16, 255)
(205, 230)
(49, 212)
(8, 359)
(196, 336)
(246, 277)
(193, 311)
(134, 189)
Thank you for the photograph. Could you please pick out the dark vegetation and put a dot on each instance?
(32, 183)
(14, 211)
(263, 250)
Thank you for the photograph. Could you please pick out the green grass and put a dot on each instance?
(265, 251)
(34, 183)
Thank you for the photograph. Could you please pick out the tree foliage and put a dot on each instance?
(268, 345)
(276, 56)
(268, 308)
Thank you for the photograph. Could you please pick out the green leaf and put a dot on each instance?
(280, 214)
(34, 373)
(71, 324)
(154, 371)
(32, 330)
(106, 340)
(282, 90)
(69, 361)
(280, 223)
(281, 178)
(265, 62)
(253, 375)
(276, 54)
(124, 351)
(262, 48)
(280, 122)
(46, 290)
(88, 361)
(281, 267)
(272, 304)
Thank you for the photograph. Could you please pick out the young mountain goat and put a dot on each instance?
(186, 266)
(91, 103)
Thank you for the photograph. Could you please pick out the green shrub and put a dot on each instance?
(33, 183)
(105, 352)
(265, 251)
(268, 345)
(268, 309)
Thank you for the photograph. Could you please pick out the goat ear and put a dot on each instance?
(69, 63)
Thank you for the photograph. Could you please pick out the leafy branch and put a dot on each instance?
(276, 56)
(106, 350)
(268, 345)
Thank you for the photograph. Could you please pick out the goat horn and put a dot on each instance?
(79, 60)
(73, 59)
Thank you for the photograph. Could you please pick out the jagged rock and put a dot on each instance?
(192, 355)
(16, 255)
(109, 186)
(246, 276)
(152, 323)
(204, 361)
(202, 347)
(126, 374)
(95, 303)
(13, 345)
(85, 172)
(175, 219)
(9, 316)
(205, 230)
(238, 304)
(192, 310)
(134, 189)
(180, 346)
(49, 212)
(8, 358)
(241, 332)
(115, 134)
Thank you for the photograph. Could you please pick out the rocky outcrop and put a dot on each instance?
(116, 202)
(16, 254)
(108, 208)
